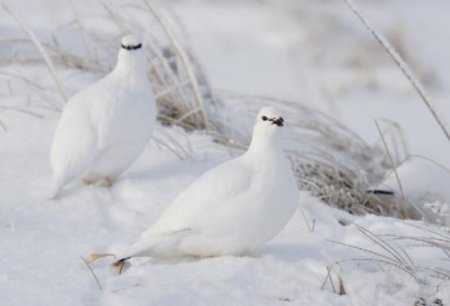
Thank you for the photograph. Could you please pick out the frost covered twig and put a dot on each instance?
(404, 67)
(391, 255)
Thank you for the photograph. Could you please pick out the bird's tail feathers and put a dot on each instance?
(54, 191)
(154, 245)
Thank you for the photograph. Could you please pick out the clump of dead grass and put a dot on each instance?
(329, 160)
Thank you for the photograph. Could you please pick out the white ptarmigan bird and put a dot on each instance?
(231, 209)
(105, 127)
(423, 182)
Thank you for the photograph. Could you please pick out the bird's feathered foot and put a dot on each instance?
(120, 264)
(94, 256)
(104, 182)
(87, 182)
(55, 191)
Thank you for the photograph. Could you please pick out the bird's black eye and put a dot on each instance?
(264, 118)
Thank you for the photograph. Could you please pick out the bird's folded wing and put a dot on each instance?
(75, 141)
(215, 189)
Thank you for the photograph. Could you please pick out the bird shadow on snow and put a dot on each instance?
(162, 170)
(78, 191)
(285, 252)
(290, 252)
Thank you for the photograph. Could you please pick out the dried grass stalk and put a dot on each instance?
(401, 64)
(41, 50)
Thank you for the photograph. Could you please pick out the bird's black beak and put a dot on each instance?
(278, 121)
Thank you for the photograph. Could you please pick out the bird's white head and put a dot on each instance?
(131, 55)
(268, 128)
(131, 43)
(269, 120)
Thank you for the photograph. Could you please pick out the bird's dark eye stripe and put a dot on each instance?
(131, 47)
(277, 121)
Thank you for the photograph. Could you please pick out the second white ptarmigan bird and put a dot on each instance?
(231, 209)
(105, 127)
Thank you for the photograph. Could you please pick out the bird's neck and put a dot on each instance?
(131, 67)
(264, 149)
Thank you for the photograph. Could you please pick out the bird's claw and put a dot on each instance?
(119, 266)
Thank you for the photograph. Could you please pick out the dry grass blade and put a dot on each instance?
(398, 141)
(37, 89)
(394, 255)
(21, 110)
(173, 145)
(401, 256)
(97, 281)
(427, 229)
(404, 67)
(82, 29)
(23, 79)
(41, 50)
(338, 289)
(377, 254)
(382, 261)
(430, 241)
(120, 24)
(3, 126)
(184, 61)
(328, 279)
(311, 226)
(397, 177)
(179, 155)
(388, 153)
(404, 213)
(447, 169)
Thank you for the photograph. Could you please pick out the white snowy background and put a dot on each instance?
(314, 52)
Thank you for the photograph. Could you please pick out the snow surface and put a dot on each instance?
(42, 241)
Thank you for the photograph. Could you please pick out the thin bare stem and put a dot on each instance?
(92, 273)
(404, 67)
(82, 29)
(184, 61)
(41, 50)
(388, 153)
(3, 126)
(445, 168)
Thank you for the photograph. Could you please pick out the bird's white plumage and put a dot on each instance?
(130, 40)
(421, 180)
(105, 127)
(231, 209)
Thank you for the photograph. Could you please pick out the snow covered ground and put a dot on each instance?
(43, 241)
(252, 48)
